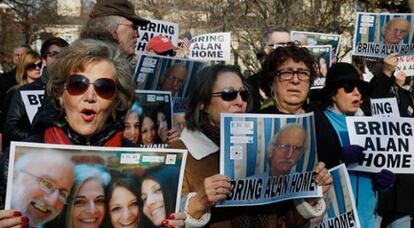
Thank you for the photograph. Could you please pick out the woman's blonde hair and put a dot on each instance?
(29, 58)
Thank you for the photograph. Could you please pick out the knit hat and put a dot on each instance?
(121, 8)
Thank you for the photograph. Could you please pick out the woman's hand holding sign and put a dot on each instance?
(323, 177)
(216, 188)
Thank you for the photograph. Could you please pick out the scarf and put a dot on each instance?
(56, 135)
(212, 132)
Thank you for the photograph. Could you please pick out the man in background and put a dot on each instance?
(270, 39)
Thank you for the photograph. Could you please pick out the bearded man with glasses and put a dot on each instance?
(41, 185)
(286, 148)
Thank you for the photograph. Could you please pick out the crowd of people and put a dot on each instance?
(87, 97)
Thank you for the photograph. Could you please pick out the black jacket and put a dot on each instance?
(7, 80)
(17, 126)
(383, 86)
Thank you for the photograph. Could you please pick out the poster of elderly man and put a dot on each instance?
(84, 186)
(154, 72)
(380, 34)
(269, 158)
(340, 209)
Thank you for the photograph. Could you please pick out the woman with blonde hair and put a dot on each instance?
(29, 68)
(16, 125)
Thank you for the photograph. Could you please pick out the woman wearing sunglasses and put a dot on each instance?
(217, 89)
(90, 84)
(85, 206)
(17, 125)
(344, 93)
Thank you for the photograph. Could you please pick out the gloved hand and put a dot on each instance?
(383, 180)
(352, 154)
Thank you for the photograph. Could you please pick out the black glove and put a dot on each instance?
(352, 154)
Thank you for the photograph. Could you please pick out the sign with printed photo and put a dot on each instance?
(322, 56)
(167, 74)
(340, 204)
(380, 34)
(269, 158)
(148, 120)
(316, 38)
(57, 185)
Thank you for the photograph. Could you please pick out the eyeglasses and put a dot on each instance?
(132, 26)
(398, 31)
(173, 78)
(229, 94)
(287, 74)
(349, 87)
(49, 187)
(52, 54)
(33, 66)
(286, 148)
(77, 84)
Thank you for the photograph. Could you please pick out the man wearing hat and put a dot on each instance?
(116, 21)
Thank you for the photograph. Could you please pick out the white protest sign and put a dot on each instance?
(385, 107)
(155, 28)
(32, 100)
(388, 143)
(212, 46)
(406, 64)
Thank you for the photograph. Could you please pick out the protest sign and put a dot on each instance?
(388, 143)
(315, 38)
(155, 28)
(32, 100)
(385, 107)
(269, 158)
(211, 46)
(167, 74)
(322, 56)
(379, 34)
(340, 204)
(47, 182)
(150, 113)
(406, 64)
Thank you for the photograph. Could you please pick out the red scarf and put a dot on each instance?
(56, 135)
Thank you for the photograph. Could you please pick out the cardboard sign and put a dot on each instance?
(385, 107)
(340, 204)
(388, 143)
(155, 28)
(265, 163)
(376, 34)
(52, 178)
(211, 46)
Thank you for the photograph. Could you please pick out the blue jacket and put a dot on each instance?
(365, 197)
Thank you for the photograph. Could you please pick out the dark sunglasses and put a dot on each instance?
(349, 87)
(33, 66)
(231, 94)
(77, 84)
